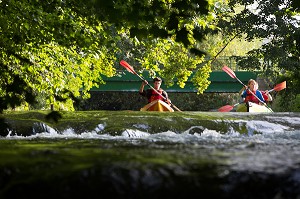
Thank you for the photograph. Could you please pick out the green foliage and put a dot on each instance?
(275, 23)
(296, 104)
(175, 61)
(201, 78)
(287, 100)
(59, 50)
(291, 105)
(170, 60)
(49, 50)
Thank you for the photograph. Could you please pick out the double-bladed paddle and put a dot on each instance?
(232, 74)
(130, 69)
(279, 87)
(228, 108)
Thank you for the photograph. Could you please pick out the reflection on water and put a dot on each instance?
(134, 156)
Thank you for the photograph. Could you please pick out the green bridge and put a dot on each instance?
(221, 82)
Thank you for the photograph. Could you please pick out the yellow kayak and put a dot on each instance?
(157, 105)
(252, 107)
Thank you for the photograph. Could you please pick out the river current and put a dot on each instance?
(151, 155)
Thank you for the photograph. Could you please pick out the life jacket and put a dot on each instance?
(156, 96)
(250, 97)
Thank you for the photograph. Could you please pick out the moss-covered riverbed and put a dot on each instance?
(128, 154)
(115, 122)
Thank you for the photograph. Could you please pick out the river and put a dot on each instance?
(131, 154)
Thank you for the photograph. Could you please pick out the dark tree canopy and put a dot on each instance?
(277, 22)
(59, 47)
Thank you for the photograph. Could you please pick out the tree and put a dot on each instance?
(47, 47)
(276, 22)
(59, 47)
(161, 49)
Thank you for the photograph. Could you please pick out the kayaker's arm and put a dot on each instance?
(242, 90)
(142, 86)
(267, 96)
(243, 94)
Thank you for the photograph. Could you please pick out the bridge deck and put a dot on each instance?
(221, 82)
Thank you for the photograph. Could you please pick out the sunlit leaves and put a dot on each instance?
(275, 22)
(62, 49)
(172, 62)
(64, 70)
(200, 78)
(51, 50)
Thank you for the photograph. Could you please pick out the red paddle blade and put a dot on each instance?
(229, 72)
(280, 86)
(225, 108)
(127, 66)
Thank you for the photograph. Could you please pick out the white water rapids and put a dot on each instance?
(137, 155)
(271, 145)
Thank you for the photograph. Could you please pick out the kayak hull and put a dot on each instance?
(157, 105)
(252, 107)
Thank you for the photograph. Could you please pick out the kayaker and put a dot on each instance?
(247, 96)
(152, 94)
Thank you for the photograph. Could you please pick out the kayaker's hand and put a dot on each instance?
(144, 82)
(169, 101)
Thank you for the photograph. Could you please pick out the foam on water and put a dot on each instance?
(134, 133)
(265, 127)
(247, 150)
(290, 120)
(141, 130)
(274, 147)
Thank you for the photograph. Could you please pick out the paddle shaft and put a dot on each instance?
(270, 90)
(237, 104)
(232, 74)
(157, 91)
(131, 70)
(227, 108)
(254, 94)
